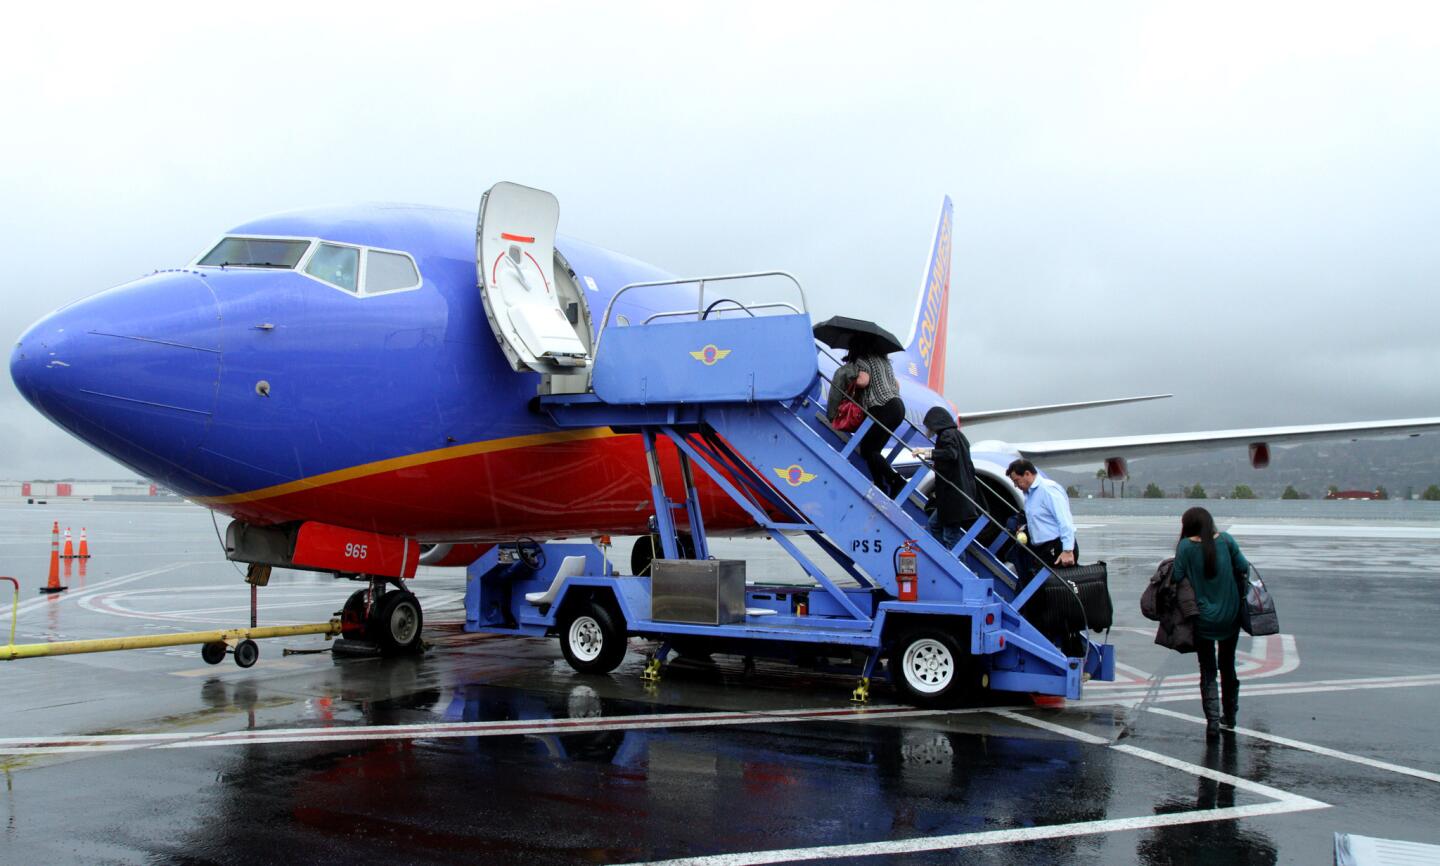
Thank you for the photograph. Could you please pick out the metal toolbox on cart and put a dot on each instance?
(697, 591)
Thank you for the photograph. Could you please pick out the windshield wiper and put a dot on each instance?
(254, 265)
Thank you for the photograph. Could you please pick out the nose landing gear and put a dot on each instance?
(382, 620)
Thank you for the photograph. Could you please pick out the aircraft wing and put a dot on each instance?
(1064, 452)
(973, 418)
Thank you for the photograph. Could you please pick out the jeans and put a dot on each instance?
(948, 533)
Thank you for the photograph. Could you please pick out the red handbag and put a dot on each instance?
(849, 416)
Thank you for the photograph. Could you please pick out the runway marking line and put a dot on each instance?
(92, 589)
(1281, 802)
(202, 739)
(437, 730)
(1311, 747)
(1169, 694)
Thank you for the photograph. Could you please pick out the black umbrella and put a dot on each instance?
(841, 332)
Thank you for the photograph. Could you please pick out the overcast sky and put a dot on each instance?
(1234, 203)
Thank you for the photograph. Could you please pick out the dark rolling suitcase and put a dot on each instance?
(1071, 600)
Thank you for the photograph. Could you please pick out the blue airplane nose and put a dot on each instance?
(133, 371)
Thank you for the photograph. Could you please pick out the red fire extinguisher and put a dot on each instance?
(907, 573)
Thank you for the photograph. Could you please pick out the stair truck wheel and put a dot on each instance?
(592, 637)
(930, 669)
(247, 652)
(397, 622)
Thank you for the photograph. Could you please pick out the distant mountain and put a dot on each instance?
(1401, 466)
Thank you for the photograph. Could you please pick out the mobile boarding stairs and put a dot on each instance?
(739, 397)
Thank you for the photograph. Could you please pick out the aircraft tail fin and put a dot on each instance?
(925, 347)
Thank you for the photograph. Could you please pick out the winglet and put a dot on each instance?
(925, 347)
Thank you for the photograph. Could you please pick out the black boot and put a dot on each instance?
(1210, 701)
(1230, 702)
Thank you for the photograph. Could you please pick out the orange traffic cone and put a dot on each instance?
(84, 547)
(54, 584)
(69, 546)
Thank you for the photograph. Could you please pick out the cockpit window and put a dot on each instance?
(386, 272)
(339, 266)
(255, 253)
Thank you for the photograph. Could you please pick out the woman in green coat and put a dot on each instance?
(1212, 562)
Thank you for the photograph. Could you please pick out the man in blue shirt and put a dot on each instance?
(1047, 518)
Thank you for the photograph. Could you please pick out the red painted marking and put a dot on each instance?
(540, 269)
(495, 270)
(521, 238)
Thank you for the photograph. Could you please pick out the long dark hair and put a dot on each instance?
(860, 346)
(1197, 521)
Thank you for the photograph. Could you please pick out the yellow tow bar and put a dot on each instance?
(111, 644)
(214, 644)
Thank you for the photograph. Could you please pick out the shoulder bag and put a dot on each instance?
(1257, 606)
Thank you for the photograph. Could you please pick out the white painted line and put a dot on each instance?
(1282, 802)
(1311, 747)
(1197, 770)
(34, 603)
(110, 742)
(995, 837)
(1164, 760)
(200, 739)
(1181, 692)
(1320, 530)
(1062, 730)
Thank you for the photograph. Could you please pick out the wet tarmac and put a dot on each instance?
(491, 750)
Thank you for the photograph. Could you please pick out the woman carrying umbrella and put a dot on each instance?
(877, 390)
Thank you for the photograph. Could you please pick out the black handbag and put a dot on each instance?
(1257, 606)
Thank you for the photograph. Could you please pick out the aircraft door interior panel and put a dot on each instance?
(515, 263)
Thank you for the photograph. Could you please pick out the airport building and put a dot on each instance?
(77, 489)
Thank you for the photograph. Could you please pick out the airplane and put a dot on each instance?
(355, 386)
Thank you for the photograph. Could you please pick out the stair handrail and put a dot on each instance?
(748, 309)
(925, 436)
(1044, 567)
(700, 282)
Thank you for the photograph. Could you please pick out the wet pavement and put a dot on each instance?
(491, 750)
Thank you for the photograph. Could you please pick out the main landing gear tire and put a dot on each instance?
(647, 550)
(592, 637)
(930, 669)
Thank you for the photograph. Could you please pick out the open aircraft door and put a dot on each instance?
(515, 263)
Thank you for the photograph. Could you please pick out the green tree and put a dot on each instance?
(1072, 491)
(1153, 491)
(1196, 492)
(1242, 491)
(1381, 492)
(1332, 490)
(1101, 474)
(1290, 492)
(1432, 493)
